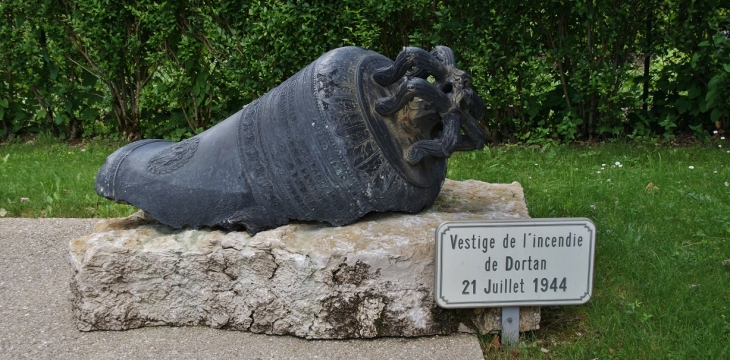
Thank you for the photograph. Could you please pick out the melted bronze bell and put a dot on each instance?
(352, 133)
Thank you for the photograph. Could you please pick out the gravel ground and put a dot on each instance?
(36, 319)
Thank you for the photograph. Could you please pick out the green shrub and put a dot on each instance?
(547, 70)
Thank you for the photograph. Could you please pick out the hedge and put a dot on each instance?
(547, 70)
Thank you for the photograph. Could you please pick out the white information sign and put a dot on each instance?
(526, 262)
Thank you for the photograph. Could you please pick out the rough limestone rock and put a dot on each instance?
(372, 278)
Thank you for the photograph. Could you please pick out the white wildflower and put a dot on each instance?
(691, 167)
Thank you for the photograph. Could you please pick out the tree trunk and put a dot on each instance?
(647, 58)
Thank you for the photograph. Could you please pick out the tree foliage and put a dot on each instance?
(546, 69)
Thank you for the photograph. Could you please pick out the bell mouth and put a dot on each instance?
(395, 133)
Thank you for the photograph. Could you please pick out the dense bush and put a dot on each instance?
(692, 78)
(546, 69)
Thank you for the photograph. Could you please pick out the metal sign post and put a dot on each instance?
(510, 326)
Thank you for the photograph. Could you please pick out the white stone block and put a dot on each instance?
(371, 278)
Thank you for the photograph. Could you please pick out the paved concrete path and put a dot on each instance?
(36, 319)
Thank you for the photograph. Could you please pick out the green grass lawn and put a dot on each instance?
(47, 178)
(663, 219)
